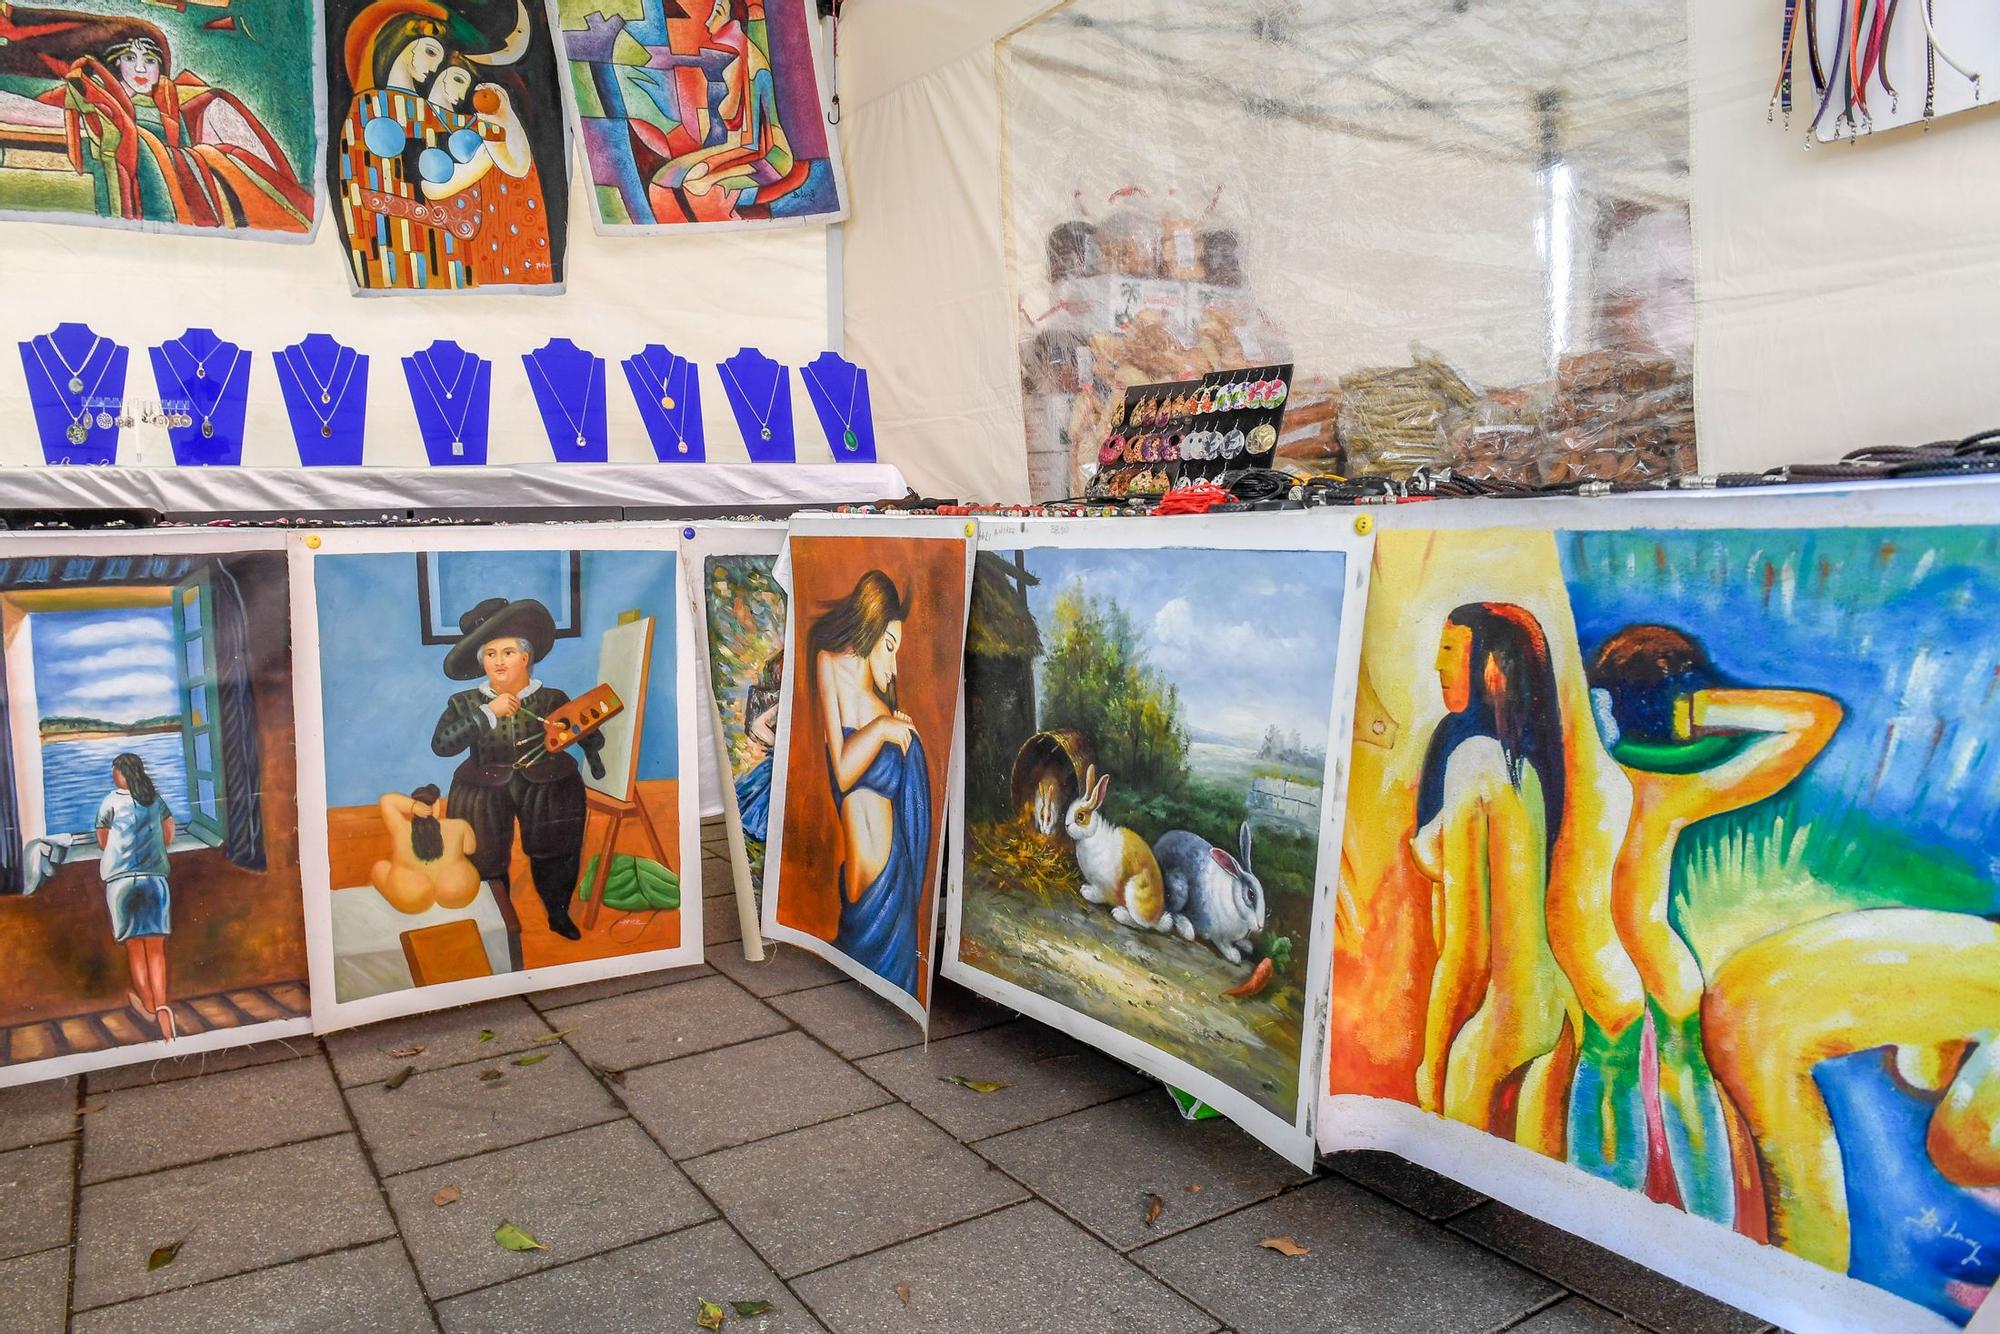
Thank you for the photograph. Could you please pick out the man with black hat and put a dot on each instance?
(509, 776)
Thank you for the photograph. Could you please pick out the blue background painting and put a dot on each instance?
(383, 689)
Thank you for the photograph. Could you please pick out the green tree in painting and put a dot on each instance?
(1095, 679)
(746, 628)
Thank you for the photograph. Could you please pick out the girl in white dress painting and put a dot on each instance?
(135, 828)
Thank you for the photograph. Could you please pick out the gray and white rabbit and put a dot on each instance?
(1210, 894)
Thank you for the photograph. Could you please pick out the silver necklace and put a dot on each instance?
(76, 371)
(79, 425)
(200, 363)
(208, 417)
(669, 398)
(326, 396)
(848, 438)
(458, 431)
(590, 383)
(430, 360)
(764, 421)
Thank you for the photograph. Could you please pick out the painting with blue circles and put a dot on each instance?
(448, 149)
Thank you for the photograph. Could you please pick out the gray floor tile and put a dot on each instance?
(646, 1027)
(33, 1292)
(577, 1194)
(231, 1216)
(365, 1291)
(1407, 1184)
(1574, 1315)
(606, 988)
(432, 1041)
(1611, 1280)
(1099, 1166)
(170, 1068)
(656, 1285)
(1373, 1267)
(831, 1192)
(1046, 1073)
(453, 1113)
(855, 1022)
(720, 928)
(719, 1099)
(35, 1187)
(37, 1113)
(1024, 1269)
(783, 968)
(165, 1125)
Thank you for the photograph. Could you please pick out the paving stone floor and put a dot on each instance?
(737, 1132)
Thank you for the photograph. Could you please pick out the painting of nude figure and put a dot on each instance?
(1674, 860)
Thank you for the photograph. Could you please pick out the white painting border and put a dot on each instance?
(1330, 531)
(154, 542)
(331, 1014)
(881, 526)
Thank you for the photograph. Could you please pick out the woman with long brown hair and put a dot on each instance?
(135, 827)
(880, 779)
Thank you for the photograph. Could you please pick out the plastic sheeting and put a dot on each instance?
(1467, 225)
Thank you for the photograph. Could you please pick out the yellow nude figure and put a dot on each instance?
(1501, 1015)
(1781, 1005)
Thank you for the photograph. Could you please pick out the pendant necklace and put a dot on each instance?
(301, 369)
(200, 363)
(848, 437)
(763, 422)
(430, 362)
(670, 398)
(582, 441)
(78, 431)
(208, 417)
(458, 431)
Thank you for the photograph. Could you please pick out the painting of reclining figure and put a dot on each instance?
(1674, 860)
(502, 767)
(149, 846)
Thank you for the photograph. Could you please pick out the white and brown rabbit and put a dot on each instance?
(1210, 894)
(1118, 868)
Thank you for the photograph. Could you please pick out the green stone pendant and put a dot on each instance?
(851, 440)
(767, 433)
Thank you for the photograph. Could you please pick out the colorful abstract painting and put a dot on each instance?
(701, 113)
(1674, 858)
(448, 161)
(149, 816)
(868, 725)
(1154, 736)
(162, 117)
(517, 818)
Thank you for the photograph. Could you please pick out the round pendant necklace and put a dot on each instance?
(208, 416)
(430, 363)
(78, 431)
(670, 397)
(582, 441)
(76, 371)
(763, 421)
(458, 431)
(848, 438)
(301, 369)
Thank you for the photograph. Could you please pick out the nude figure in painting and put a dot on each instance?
(1692, 750)
(1503, 1023)
(430, 854)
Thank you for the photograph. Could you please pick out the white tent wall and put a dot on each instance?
(1826, 282)
(702, 296)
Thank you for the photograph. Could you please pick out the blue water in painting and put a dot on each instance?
(76, 775)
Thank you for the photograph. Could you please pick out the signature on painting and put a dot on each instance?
(1930, 1224)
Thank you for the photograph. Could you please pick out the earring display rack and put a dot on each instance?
(1164, 437)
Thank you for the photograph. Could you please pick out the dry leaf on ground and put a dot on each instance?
(748, 1309)
(557, 1036)
(401, 1077)
(164, 1255)
(405, 1053)
(1285, 1246)
(446, 1195)
(514, 1239)
(488, 1076)
(1155, 1206)
(709, 1316)
(91, 1110)
(615, 1076)
(976, 1085)
(903, 1293)
(532, 1058)
(1192, 1190)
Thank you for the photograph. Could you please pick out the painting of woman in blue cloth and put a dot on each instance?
(135, 826)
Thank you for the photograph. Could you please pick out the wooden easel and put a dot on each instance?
(616, 813)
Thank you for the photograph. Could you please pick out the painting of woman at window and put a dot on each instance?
(1502, 1018)
(879, 777)
(156, 148)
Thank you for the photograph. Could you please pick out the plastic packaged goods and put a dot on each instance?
(1180, 248)
(1072, 246)
(1128, 242)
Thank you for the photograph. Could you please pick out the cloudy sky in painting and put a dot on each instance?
(1249, 637)
(114, 665)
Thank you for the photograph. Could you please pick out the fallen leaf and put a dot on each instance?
(488, 1076)
(976, 1085)
(91, 1110)
(446, 1195)
(615, 1076)
(748, 1309)
(405, 1053)
(709, 1316)
(557, 1036)
(514, 1239)
(1155, 1206)
(486, 1035)
(1285, 1246)
(164, 1255)
(402, 1076)
(1192, 1190)
(533, 1058)
(903, 1292)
